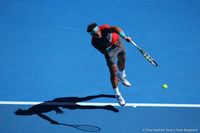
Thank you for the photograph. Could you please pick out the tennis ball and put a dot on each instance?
(165, 86)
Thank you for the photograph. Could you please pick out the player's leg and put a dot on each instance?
(114, 82)
(110, 59)
(113, 76)
(121, 64)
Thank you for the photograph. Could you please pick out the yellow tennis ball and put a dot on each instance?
(165, 86)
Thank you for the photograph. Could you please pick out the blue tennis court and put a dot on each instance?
(51, 77)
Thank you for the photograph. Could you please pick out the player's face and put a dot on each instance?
(97, 34)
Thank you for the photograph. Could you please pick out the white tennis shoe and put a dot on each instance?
(123, 80)
(120, 100)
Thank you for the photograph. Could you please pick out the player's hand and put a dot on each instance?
(116, 44)
(128, 39)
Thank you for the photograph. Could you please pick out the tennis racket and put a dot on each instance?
(147, 56)
(87, 128)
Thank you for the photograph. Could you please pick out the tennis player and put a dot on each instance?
(106, 39)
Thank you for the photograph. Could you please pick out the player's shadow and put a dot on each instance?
(66, 103)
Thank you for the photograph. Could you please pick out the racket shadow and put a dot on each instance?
(66, 103)
(86, 128)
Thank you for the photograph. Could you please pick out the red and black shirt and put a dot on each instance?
(106, 40)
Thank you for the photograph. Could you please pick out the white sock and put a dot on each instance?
(116, 90)
(122, 73)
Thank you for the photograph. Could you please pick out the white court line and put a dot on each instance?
(101, 104)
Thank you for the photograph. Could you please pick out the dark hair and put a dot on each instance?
(91, 27)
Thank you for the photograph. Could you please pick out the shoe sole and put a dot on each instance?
(123, 83)
(123, 104)
(126, 85)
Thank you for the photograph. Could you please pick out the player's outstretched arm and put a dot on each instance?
(115, 29)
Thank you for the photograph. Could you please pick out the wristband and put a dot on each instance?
(122, 34)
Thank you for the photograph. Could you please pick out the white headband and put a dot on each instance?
(94, 30)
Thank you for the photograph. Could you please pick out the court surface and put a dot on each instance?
(48, 65)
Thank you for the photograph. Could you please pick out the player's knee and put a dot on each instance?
(113, 71)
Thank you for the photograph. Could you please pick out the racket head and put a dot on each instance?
(147, 56)
(88, 128)
(150, 59)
